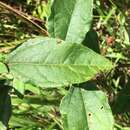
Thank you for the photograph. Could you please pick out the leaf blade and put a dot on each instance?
(45, 62)
(86, 110)
(72, 18)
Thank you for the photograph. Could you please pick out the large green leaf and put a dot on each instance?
(70, 20)
(48, 63)
(86, 110)
(19, 86)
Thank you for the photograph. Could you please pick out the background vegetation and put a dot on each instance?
(38, 108)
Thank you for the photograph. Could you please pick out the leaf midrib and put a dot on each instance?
(64, 65)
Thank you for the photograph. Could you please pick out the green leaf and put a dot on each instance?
(5, 107)
(46, 62)
(70, 20)
(86, 110)
(3, 68)
(19, 86)
(32, 89)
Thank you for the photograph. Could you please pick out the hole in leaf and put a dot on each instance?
(101, 107)
(89, 114)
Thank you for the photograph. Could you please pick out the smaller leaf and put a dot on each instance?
(19, 86)
(3, 68)
(86, 110)
(32, 89)
(70, 20)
